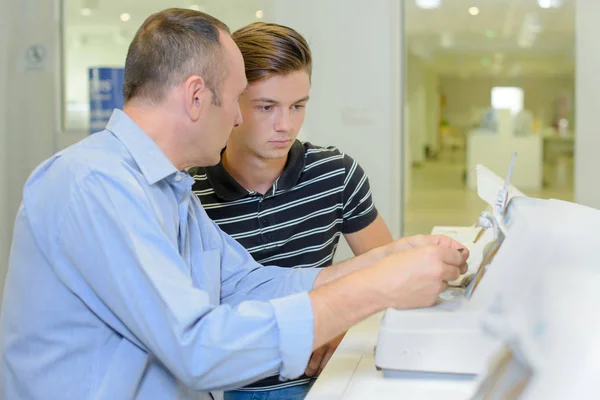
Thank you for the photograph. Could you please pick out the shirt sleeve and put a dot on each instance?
(113, 246)
(359, 210)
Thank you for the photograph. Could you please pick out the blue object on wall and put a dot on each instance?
(106, 94)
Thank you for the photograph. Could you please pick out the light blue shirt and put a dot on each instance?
(120, 286)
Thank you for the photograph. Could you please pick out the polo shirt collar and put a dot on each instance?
(229, 189)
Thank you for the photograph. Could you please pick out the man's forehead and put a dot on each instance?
(237, 60)
(231, 51)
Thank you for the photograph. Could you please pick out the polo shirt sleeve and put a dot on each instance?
(359, 210)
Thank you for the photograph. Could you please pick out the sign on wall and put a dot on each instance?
(106, 94)
(35, 57)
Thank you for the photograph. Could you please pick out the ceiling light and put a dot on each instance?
(197, 7)
(125, 17)
(544, 3)
(428, 4)
(474, 11)
(260, 14)
(550, 3)
(86, 12)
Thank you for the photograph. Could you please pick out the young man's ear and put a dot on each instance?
(195, 96)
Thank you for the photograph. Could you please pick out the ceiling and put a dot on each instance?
(96, 19)
(103, 12)
(506, 38)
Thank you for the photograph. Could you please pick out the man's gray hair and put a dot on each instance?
(168, 48)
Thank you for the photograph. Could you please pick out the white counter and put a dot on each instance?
(351, 374)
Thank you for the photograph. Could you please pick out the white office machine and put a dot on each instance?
(447, 338)
(545, 308)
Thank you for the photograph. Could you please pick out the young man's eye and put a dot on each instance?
(265, 108)
(299, 106)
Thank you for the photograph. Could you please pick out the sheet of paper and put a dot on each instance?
(490, 250)
(476, 253)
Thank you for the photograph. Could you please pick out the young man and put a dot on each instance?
(119, 285)
(285, 201)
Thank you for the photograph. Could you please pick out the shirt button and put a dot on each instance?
(178, 178)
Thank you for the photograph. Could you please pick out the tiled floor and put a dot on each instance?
(438, 195)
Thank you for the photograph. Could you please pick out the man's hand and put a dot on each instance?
(405, 279)
(320, 357)
(416, 276)
(413, 242)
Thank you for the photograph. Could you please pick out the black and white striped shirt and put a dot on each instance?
(320, 195)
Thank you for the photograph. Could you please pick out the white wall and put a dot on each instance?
(587, 139)
(32, 93)
(469, 94)
(5, 230)
(356, 91)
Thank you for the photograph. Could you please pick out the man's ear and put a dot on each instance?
(195, 96)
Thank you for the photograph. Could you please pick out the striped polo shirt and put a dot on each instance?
(321, 194)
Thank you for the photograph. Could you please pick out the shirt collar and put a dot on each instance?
(151, 160)
(229, 189)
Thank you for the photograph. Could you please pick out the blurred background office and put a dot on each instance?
(418, 91)
(465, 61)
(484, 79)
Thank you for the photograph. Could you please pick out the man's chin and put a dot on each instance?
(209, 162)
(216, 161)
(274, 155)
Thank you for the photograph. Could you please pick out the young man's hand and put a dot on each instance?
(413, 242)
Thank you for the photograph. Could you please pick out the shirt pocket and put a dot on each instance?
(206, 274)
